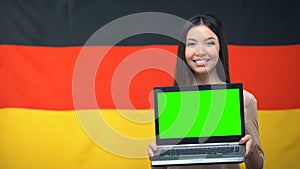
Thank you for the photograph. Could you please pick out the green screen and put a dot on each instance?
(199, 113)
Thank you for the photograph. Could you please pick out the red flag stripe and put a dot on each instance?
(271, 73)
(41, 77)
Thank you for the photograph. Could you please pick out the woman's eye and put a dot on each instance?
(210, 43)
(190, 44)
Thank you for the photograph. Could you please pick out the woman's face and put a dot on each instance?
(202, 49)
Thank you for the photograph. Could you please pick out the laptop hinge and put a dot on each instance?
(202, 144)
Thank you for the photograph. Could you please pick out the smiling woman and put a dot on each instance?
(204, 34)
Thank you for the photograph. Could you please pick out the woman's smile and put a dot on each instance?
(201, 62)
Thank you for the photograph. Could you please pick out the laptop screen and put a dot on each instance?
(193, 114)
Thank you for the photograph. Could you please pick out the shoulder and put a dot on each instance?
(248, 98)
(250, 107)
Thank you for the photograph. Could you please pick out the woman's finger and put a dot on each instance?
(152, 147)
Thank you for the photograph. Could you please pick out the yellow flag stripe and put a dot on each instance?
(48, 139)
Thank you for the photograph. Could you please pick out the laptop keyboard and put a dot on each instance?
(193, 151)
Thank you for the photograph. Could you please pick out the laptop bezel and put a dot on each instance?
(199, 140)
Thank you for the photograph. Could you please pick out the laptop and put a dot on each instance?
(199, 124)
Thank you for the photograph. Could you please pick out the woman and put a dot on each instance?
(203, 59)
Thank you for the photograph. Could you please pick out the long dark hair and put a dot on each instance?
(183, 73)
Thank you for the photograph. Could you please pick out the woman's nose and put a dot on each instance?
(199, 51)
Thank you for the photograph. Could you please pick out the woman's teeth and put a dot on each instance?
(200, 61)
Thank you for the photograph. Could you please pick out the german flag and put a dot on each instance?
(77, 77)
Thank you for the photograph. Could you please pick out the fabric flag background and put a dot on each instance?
(41, 41)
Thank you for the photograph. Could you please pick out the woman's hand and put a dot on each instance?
(248, 141)
(152, 147)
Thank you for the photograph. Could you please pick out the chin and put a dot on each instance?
(200, 70)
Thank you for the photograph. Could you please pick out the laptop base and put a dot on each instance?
(192, 161)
